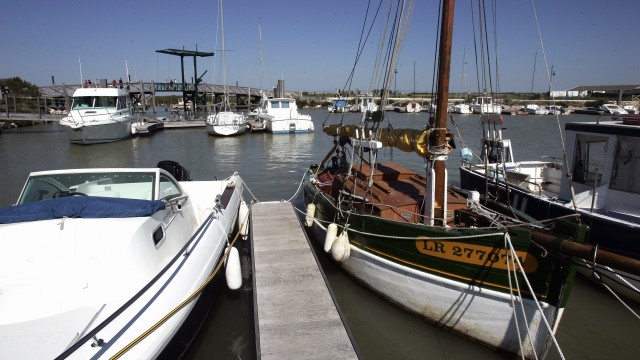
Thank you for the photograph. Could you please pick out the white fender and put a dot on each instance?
(233, 273)
(340, 250)
(243, 220)
(332, 231)
(311, 211)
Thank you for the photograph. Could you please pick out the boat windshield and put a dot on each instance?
(83, 102)
(129, 185)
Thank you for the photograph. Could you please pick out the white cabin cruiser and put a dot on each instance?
(90, 259)
(281, 116)
(98, 115)
(485, 105)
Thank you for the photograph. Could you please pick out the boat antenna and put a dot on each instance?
(81, 79)
(261, 55)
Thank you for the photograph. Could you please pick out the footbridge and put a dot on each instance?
(145, 92)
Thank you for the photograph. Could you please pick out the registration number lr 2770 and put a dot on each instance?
(474, 254)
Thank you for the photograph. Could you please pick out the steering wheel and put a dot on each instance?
(63, 193)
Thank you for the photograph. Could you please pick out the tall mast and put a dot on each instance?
(444, 69)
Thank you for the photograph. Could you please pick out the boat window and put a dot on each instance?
(105, 101)
(168, 188)
(588, 159)
(82, 102)
(128, 185)
(285, 105)
(626, 165)
(275, 104)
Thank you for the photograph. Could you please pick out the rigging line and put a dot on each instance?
(362, 42)
(495, 43)
(475, 45)
(434, 75)
(486, 34)
(549, 77)
(375, 77)
(535, 299)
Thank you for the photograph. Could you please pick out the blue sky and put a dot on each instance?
(311, 44)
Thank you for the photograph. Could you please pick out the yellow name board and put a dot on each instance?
(474, 254)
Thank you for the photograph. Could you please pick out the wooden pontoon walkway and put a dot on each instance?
(295, 315)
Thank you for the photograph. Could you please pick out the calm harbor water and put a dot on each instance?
(595, 325)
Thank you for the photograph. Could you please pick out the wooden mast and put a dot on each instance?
(444, 69)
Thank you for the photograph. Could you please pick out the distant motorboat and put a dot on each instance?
(413, 107)
(485, 105)
(462, 109)
(613, 109)
(280, 116)
(98, 115)
(338, 105)
(534, 109)
(364, 104)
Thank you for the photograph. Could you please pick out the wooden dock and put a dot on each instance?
(295, 315)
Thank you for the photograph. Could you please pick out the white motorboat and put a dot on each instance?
(413, 107)
(98, 115)
(613, 109)
(90, 259)
(281, 116)
(364, 104)
(461, 109)
(485, 105)
(535, 109)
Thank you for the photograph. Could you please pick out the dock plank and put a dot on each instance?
(295, 315)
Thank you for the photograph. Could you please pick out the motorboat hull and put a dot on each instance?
(289, 126)
(91, 286)
(99, 132)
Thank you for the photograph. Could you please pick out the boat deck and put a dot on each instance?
(295, 314)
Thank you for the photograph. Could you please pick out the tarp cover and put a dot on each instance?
(79, 207)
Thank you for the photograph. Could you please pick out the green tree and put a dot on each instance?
(19, 87)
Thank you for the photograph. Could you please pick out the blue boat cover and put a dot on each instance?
(79, 207)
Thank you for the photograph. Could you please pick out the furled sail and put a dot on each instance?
(408, 140)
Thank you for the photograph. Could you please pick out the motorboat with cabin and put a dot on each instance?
(485, 105)
(93, 261)
(598, 183)
(281, 116)
(98, 115)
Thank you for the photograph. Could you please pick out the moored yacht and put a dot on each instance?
(98, 115)
(281, 116)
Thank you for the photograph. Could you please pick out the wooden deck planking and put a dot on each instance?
(295, 315)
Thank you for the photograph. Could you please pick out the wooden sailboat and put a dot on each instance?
(225, 122)
(429, 248)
